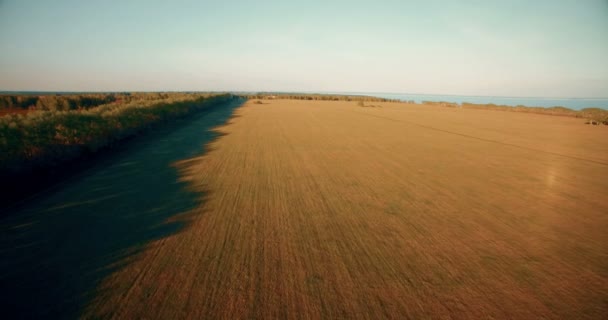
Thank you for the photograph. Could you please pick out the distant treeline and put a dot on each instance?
(64, 102)
(45, 138)
(325, 97)
(595, 114)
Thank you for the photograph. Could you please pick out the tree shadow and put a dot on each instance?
(57, 248)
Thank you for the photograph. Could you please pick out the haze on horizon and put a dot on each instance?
(502, 48)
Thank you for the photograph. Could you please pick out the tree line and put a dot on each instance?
(55, 102)
(324, 97)
(596, 114)
(46, 138)
(64, 102)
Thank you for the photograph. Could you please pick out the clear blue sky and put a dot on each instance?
(510, 48)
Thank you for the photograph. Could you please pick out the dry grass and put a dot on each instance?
(7, 111)
(327, 210)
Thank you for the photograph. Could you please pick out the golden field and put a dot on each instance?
(321, 209)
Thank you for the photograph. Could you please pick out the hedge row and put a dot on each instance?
(325, 97)
(46, 138)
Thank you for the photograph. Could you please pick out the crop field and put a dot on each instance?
(332, 210)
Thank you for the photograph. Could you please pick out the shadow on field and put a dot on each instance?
(58, 247)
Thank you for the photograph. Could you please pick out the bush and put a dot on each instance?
(45, 138)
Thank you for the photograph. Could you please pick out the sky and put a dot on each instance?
(556, 48)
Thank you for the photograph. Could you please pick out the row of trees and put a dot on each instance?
(42, 139)
(595, 114)
(557, 111)
(64, 102)
(325, 97)
(55, 102)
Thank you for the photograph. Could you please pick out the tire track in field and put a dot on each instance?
(487, 140)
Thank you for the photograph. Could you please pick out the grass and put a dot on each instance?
(42, 139)
(318, 209)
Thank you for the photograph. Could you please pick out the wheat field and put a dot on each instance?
(319, 209)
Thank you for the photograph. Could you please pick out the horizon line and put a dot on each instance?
(310, 92)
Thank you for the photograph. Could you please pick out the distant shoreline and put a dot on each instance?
(467, 95)
(543, 102)
(592, 115)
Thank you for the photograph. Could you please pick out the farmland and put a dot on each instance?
(283, 208)
(312, 209)
(304, 160)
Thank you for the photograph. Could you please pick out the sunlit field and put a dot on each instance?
(319, 209)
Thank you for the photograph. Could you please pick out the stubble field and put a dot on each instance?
(332, 210)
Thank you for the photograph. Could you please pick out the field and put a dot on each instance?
(320, 209)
